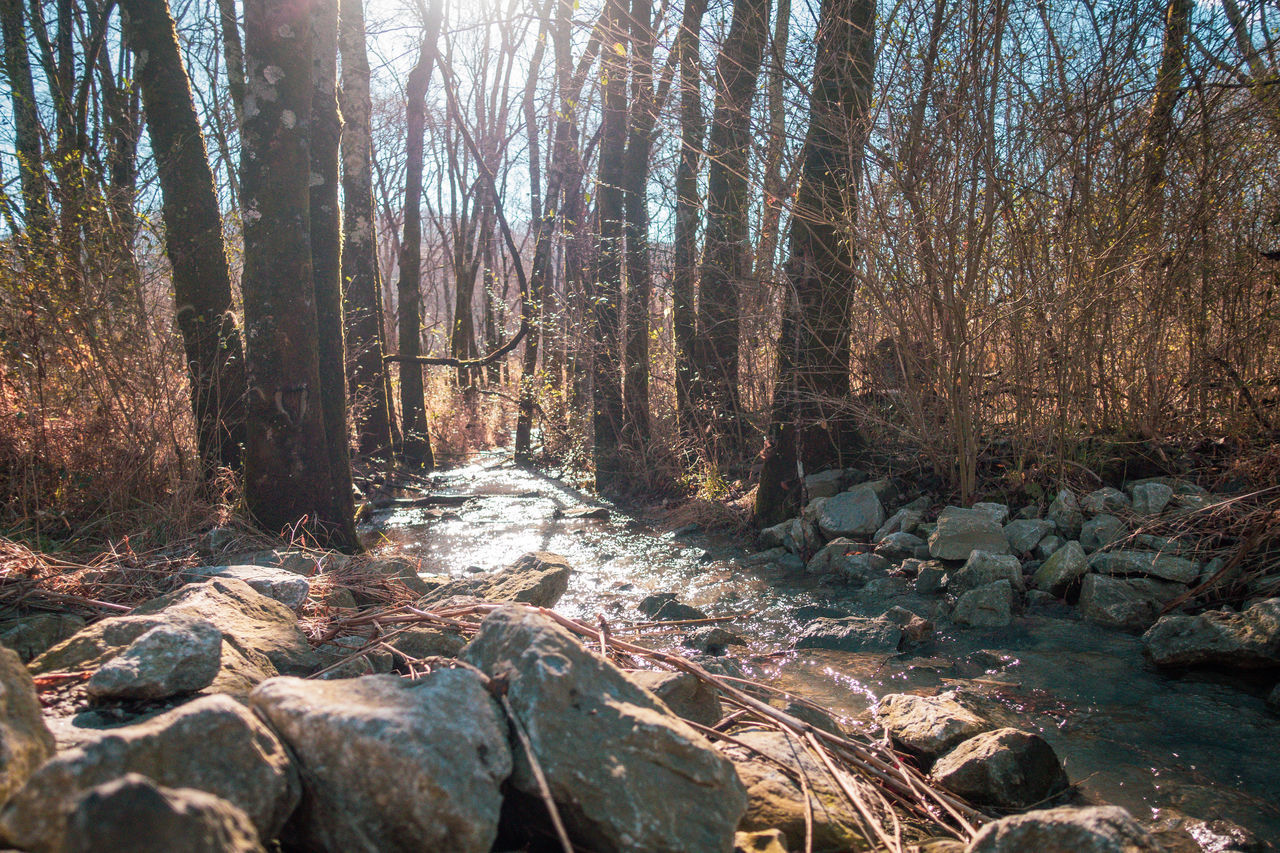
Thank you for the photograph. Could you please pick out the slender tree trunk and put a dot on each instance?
(1159, 130)
(606, 298)
(413, 412)
(362, 285)
(326, 262)
(810, 426)
(193, 235)
(232, 55)
(684, 272)
(726, 257)
(774, 185)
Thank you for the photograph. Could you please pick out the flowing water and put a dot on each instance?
(1200, 743)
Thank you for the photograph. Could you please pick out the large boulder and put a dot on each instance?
(31, 636)
(25, 741)
(852, 634)
(1025, 533)
(688, 696)
(536, 578)
(1062, 571)
(928, 726)
(960, 532)
(989, 606)
(1005, 768)
(1095, 829)
(1131, 604)
(288, 588)
(1065, 513)
(180, 655)
(1247, 640)
(213, 744)
(184, 820)
(983, 568)
(389, 764)
(1144, 564)
(857, 512)
(625, 772)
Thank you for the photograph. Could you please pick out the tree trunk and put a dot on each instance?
(232, 56)
(193, 235)
(287, 478)
(1159, 130)
(26, 122)
(726, 257)
(810, 425)
(368, 386)
(413, 409)
(326, 262)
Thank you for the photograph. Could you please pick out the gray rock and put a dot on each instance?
(989, 606)
(340, 658)
(1273, 699)
(931, 578)
(1049, 546)
(1150, 498)
(903, 521)
(184, 820)
(928, 726)
(999, 513)
(687, 696)
(1105, 500)
(1100, 531)
(764, 558)
(862, 569)
(1065, 513)
(1005, 768)
(536, 578)
(1128, 603)
(286, 587)
(1247, 640)
(983, 568)
(1025, 533)
(665, 607)
(403, 571)
(824, 484)
(899, 546)
(625, 772)
(420, 641)
(213, 744)
(789, 562)
(33, 635)
(1062, 571)
(711, 639)
(960, 532)
(831, 555)
(180, 655)
(1144, 564)
(25, 741)
(857, 512)
(1094, 829)
(392, 765)
(851, 634)
(775, 536)
(883, 587)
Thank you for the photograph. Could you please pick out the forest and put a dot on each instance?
(933, 330)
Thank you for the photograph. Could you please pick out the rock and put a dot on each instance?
(286, 587)
(1247, 640)
(983, 568)
(851, 634)
(1062, 571)
(831, 555)
(928, 726)
(373, 660)
(213, 744)
(33, 635)
(1005, 768)
(824, 484)
(712, 639)
(1105, 500)
(300, 562)
(857, 512)
(1049, 546)
(538, 579)
(989, 606)
(423, 642)
(1273, 699)
(915, 628)
(588, 513)
(25, 741)
(1094, 829)
(625, 773)
(999, 513)
(931, 577)
(392, 765)
(775, 801)
(960, 532)
(1025, 533)
(814, 717)
(403, 570)
(1175, 832)
(1128, 603)
(902, 521)
(180, 655)
(862, 569)
(775, 536)
(1065, 513)
(688, 696)
(768, 841)
(183, 820)
(663, 607)
(1100, 531)
(1150, 498)
(1144, 564)
(337, 596)
(898, 546)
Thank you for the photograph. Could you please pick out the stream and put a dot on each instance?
(1199, 743)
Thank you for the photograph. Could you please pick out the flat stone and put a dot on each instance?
(1144, 564)
(851, 634)
(31, 636)
(1100, 531)
(1025, 533)
(392, 765)
(1094, 829)
(983, 568)
(999, 513)
(857, 512)
(928, 726)
(688, 696)
(1150, 498)
(989, 606)
(180, 655)
(960, 532)
(288, 588)
(1005, 768)
(1246, 640)
(1062, 571)
(536, 578)
(25, 741)
(1131, 604)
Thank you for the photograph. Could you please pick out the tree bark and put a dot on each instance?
(810, 426)
(1158, 133)
(193, 235)
(232, 56)
(26, 122)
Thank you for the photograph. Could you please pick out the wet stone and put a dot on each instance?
(664, 607)
(1095, 829)
(851, 634)
(989, 606)
(928, 726)
(1005, 768)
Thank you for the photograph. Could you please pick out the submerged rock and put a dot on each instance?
(184, 820)
(625, 772)
(989, 606)
(25, 741)
(180, 655)
(1005, 768)
(928, 726)
(1095, 829)
(665, 607)
(857, 512)
(852, 634)
(389, 764)
(1247, 640)
(960, 532)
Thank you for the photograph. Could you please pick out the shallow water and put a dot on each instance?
(1127, 734)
